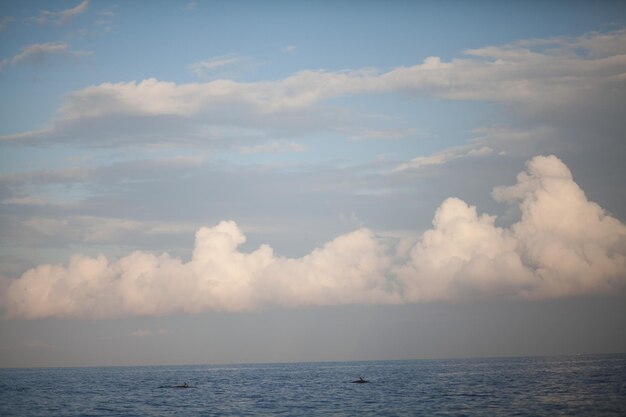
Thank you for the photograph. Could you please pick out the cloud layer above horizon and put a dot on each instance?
(540, 77)
(563, 245)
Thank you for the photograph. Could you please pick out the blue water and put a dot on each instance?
(547, 386)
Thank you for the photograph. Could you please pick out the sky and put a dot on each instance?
(203, 182)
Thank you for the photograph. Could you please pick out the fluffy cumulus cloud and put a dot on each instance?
(533, 76)
(562, 245)
(571, 244)
(218, 277)
(464, 254)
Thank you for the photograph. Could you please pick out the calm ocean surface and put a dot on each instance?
(548, 386)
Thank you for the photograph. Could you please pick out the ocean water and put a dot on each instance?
(536, 386)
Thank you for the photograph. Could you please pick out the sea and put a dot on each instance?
(582, 385)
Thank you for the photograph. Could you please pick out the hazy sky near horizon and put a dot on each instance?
(242, 181)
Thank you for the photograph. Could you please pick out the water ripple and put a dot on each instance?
(580, 385)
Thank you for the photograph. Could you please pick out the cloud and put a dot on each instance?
(489, 140)
(41, 54)
(582, 75)
(218, 277)
(101, 229)
(445, 156)
(274, 147)
(146, 332)
(5, 21)
(190, 6)
(563, 245)
(505, 136)
(290, 49)
(26, 201)
(62, 17)
(141, 333)
(383, 134)
(95, 195)
(141, 169)
(203, 68)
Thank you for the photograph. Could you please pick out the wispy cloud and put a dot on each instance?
(94, 229)
(62, 17)
(41, 54)
(190, 6)
(105, 21)
(146, 332)
(382, 134)
(5, 21)
(445, 156)
(203, 68)
(542, 82)
(274, 147)
(27, 200)
(563, 245)
(66, 187)
(141, 333)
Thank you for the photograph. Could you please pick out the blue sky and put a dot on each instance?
(172, 170)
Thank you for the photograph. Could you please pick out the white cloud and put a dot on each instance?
(96, 229)
(203, 68)
(489, 140)
(46, 176)
(146, 332)
(540, 81)
(62, 17)
(463, 253)
(190, 6)
(218, 277)
(290, 49)
(89, 173)
(5, 21)
(274, 147)
(26, 200)
(383, 134)
(504, 137)
(573, 245)
(141, 333)
(42, 53)
(445, 156)
(563, 245)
